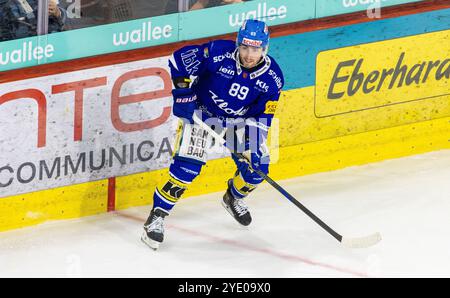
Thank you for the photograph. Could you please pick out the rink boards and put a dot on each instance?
(354, 94)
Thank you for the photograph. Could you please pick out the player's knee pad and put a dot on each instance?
(189, 157)
(185, 170)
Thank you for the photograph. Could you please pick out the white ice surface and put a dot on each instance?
(407, 200)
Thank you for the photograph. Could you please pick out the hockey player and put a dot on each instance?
(230, 82)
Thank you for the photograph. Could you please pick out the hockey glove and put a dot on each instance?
(252, 161)
(259, 159)
(184, 103)
(256, 150)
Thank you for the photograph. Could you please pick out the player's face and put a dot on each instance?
(250, 56)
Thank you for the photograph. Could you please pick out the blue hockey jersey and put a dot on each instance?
(225, 89)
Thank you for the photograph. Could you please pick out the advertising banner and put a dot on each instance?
(228, 18)
(325, 8)
(148, 32)
(88, 42)
(87, 125)
(365, 77)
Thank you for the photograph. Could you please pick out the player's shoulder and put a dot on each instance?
(222, 45)
(274, 74)
(274, 66)
(220, 49)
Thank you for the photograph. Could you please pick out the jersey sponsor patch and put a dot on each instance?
(262, 85)
(220, 58)
(276, 78)
(172, 190)
(190, 61)
(271, 107)
(193, 143)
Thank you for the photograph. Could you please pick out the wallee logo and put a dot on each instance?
(146, 33)
(73, 10)
(27, 53)
(262, 12)
(373, 6)
(351, 3)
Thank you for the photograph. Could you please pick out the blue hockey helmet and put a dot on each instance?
(254, 33)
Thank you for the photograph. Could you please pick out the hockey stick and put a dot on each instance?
(360, 242)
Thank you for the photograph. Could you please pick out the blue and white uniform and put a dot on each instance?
(223, 89)
(240, 102)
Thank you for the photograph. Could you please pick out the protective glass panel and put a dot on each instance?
(201, 4)
(19, 18)
(88, 13)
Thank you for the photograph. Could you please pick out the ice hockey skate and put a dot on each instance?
(153, 234)
(237, 208)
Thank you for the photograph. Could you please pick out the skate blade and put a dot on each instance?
(149, 242)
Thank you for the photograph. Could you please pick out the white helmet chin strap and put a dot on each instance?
(266, 50)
